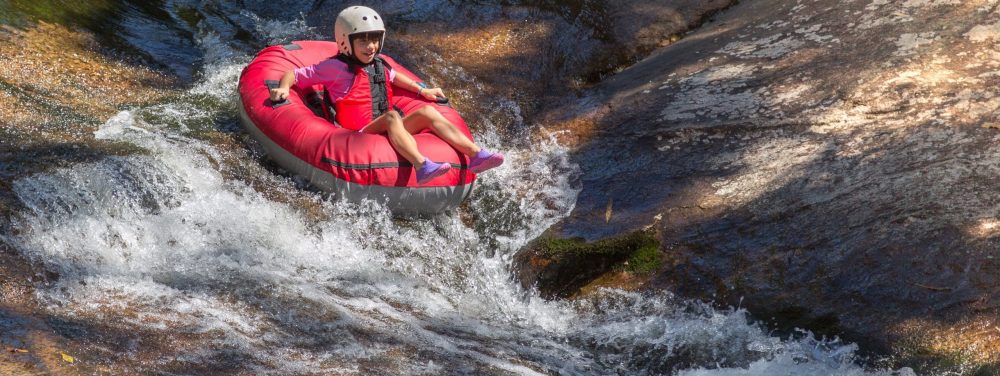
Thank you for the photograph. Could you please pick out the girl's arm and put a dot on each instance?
(406, 83)
(281, 92)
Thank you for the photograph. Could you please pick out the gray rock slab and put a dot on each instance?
(833, 158)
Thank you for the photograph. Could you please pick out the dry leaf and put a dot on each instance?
(607, 212)
(67, 358)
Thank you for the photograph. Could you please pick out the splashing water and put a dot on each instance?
(162, 244)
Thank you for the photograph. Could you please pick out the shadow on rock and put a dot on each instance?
(861, 207)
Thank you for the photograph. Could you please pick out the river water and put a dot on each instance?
(191, 257)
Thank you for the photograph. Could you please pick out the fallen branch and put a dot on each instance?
(932, 288)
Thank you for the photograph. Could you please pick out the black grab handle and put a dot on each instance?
(279, 104)
(438, 100)
(271, 84)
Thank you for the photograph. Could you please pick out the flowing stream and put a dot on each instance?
(179, 261)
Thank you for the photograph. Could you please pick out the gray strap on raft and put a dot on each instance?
(372, 166)
(271, 84)
(366, 166)
(291, 47)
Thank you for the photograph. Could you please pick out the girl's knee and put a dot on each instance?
(393, 117)
(393, 120)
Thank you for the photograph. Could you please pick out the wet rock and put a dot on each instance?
(638, 27)
(832, 160)
(57, 84)
(526, 58)
(560, 267)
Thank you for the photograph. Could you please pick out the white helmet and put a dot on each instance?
(355, 20)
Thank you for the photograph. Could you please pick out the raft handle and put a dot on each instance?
(440, 100)
(271, 84)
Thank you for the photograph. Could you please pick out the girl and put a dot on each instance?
(364, 104)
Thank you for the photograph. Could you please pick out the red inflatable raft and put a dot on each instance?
(348, 164)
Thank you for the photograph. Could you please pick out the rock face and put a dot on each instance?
(533, 54)
(828, 163)
(561, 267)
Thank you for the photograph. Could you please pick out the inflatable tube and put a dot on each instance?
(348, 164)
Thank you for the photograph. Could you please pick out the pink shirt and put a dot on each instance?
(333, 74)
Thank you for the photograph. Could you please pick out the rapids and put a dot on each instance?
(191, 257)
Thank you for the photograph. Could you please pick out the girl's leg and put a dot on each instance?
(429, 117)
(392, 124)
(401, 139)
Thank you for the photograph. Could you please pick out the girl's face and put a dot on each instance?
(365, 45)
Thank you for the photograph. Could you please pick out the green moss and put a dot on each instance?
(100, 17)
(641, 250)
(646, 259)
(556, 246)
(62, 12)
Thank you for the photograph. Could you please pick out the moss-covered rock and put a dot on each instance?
(559, 267)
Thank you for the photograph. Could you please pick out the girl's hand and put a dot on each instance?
(432, 93)
(279, 94)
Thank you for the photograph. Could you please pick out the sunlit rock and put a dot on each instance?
(850, 151)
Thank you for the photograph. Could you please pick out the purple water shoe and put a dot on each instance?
(485, 160)
(431, 170)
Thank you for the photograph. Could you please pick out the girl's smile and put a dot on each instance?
(365, 45)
